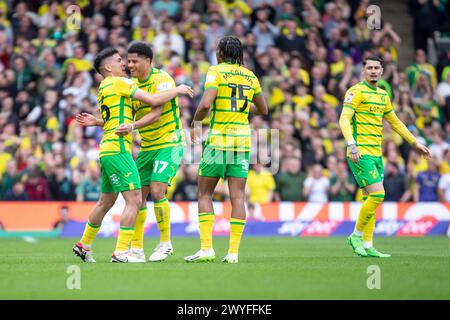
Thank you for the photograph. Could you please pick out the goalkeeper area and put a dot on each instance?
(269, 268)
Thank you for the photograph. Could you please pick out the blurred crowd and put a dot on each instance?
(306, 53)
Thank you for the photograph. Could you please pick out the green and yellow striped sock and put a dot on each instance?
(236, 230)
(137, 242)
(206, 223)
(368, 210)
(162, 213)
(124, 239)
(90, 231)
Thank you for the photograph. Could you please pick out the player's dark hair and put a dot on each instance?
(231, 50)
(141, 49)
(101, 56)
(373, 58)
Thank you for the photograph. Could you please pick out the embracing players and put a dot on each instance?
(118, 169)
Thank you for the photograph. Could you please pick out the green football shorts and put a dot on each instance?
(222, 164)
(368, 170)
(119, 173)
(159, 165)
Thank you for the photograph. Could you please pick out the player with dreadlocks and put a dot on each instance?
(230, 90)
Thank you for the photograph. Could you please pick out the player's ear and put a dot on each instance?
(107, 67)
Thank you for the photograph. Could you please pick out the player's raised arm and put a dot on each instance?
(157, 101)
(161, 98)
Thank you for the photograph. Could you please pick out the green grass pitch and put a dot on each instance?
(269, 268)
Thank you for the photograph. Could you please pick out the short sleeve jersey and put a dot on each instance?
(168, 130)
(114, 97)
(236, 86)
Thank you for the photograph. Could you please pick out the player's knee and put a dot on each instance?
(134, 199)
(158, 191)
(157, 194)
(138, 202)
(237, 198)
(202, 194)
(105, 204)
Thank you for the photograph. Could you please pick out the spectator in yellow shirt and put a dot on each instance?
(421, 66)
(261, 184)
(321, 94)
(5, 157)
(80, 63)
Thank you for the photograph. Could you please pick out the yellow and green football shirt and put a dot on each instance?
(115, 100)
(367, 107)
(168, 130)
(236, 86)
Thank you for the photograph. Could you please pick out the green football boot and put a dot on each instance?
(202, 256)
(372, 252)
(356, 243)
